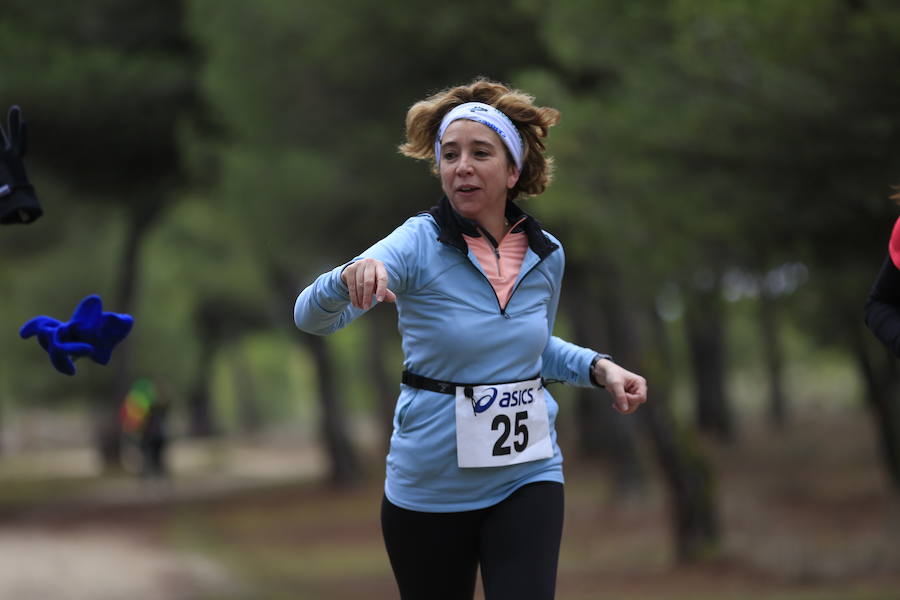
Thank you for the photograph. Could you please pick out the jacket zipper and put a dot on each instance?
(513, 292)
(488, 281)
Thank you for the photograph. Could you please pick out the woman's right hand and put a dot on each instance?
(367, 279)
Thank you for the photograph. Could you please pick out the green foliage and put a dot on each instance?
(730, 134)
(280, 390)
(113, 78)
(313, 111)
(697, 136)
(101, 85)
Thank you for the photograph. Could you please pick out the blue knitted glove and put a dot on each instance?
(91, 332)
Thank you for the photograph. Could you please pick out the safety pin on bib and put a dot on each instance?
(470, 394)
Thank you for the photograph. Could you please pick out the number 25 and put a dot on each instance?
(501, 422)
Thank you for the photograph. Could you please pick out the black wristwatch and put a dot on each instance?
(591, 368)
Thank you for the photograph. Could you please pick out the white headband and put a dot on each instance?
(486, 115)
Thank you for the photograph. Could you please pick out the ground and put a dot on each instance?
(806, 515)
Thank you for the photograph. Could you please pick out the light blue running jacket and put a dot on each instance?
(453, 329)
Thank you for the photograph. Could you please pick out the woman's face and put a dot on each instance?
(474, 169)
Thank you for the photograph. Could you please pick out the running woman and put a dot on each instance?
(474, 473)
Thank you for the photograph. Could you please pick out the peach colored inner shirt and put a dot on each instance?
(501, 268)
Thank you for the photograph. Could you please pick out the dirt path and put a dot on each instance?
(110, 541)
(100, 564)
(805, 516)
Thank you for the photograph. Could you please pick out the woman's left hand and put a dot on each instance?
(629, 390)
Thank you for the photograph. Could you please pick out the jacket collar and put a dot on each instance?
(452, 226)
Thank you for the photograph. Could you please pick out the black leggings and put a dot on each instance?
(435, 556)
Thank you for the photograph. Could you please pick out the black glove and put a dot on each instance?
(18, 201)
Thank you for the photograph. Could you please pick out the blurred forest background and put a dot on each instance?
(722, 183)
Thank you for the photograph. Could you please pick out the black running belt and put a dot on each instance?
(445, 387)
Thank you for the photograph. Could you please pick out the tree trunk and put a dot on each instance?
(108, 429)
(4, 395)
(200, 421)
(592, 426)
(345, 466)
(249, 417)
(705, 321)
(880, 373)
(774, 360)
(602, 431)
(624, 346)
(383, 381)
(688, 474)
(222, 322)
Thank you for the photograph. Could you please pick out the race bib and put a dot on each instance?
(498, 425)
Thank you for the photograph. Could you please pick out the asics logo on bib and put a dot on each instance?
(484, 402)
(508, 399)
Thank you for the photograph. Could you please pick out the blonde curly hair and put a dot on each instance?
(533, 122)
